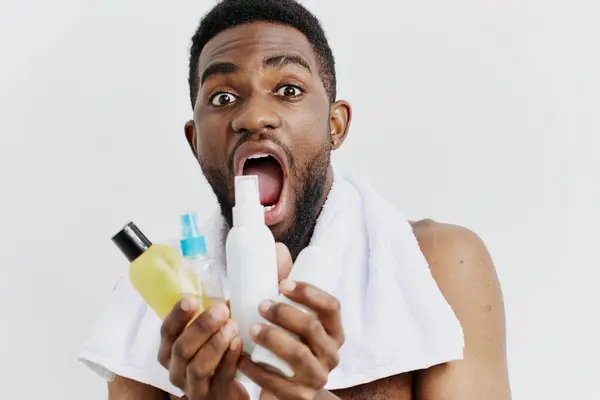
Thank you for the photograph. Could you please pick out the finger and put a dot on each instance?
(206, 360)
(305, 325)
(284, 260)
(173, 325)
(274, 383)
(326, 306)
(226, 370)
(202, 367)
(307, 368)
(193, 339)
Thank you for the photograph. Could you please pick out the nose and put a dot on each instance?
(256, 116)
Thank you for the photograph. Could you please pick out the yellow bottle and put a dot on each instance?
(157, 271)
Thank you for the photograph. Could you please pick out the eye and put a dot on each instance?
(289, 91)
(222, 99)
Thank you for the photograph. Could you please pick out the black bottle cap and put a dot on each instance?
(131, 241)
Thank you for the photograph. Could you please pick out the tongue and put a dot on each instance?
(270, 180)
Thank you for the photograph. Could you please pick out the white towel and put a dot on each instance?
(395, 317)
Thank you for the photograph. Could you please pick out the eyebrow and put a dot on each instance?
(282, 60)
(278, 61)
(220, 68)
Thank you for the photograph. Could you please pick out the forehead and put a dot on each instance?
(248, 44)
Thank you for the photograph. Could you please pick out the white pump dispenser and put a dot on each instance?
(251, 259)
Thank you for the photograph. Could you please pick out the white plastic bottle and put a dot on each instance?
(251, 259)
(312, 266)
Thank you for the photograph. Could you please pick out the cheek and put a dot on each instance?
(308, 136)
(211, 142)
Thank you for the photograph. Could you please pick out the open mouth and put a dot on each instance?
(269, 163)
(270, 178)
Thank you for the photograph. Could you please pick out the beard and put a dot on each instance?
(310, 179)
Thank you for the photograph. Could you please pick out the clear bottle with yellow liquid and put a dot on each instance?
(161, 274)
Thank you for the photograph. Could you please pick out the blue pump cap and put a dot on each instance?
(192, 242)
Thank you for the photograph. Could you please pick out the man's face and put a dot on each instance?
(262, 110)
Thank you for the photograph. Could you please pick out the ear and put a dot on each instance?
(339, 123)
(190, 135)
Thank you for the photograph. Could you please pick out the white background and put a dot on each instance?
(482, 113)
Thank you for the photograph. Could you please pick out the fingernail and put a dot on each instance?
(188, 304)
(287, 285)
(255, 330)
(235, 344)
(264, 306)
(230, 329)
(219, 311)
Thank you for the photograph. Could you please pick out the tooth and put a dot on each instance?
(269, 208)
(258, 156)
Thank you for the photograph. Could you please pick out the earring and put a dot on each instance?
(334, 142)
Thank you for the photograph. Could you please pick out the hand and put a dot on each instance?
(208, 344)
(202, 358)
(312, 356)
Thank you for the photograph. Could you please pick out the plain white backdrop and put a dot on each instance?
(481, 113)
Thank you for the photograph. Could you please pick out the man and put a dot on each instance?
(263, 92)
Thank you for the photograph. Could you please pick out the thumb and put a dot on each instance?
(284, 261)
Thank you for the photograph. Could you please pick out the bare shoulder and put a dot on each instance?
(435, 237)
(464, 271)
(461, 265)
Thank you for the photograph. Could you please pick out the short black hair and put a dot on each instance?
(231, 13)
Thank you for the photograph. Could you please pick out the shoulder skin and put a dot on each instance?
(463, 270)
